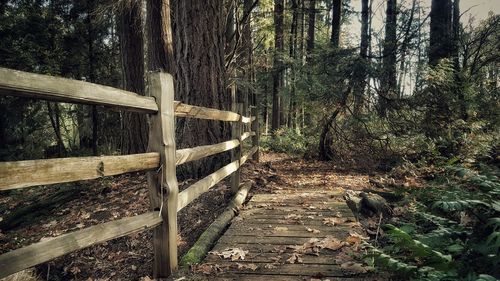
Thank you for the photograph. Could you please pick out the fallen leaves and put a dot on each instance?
(244, 266)
(315, 231)
(314, 245)
(231, 253)
(280, 229)
(295, 258)
(355, 238)
(333, 221)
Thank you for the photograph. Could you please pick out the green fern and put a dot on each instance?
(386, 261)
(420, 250)
(459, 205)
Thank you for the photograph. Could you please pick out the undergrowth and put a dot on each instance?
(450, 229)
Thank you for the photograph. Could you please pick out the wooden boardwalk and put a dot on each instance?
(284, 234)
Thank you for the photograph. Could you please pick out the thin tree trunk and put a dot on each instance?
(360, 67)
(389, 79)
(278, 63)
(311, 28)
(336, 20)
(54, 116)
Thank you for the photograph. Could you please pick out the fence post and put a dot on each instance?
(235, 134)
(255, 138)
(163, 188)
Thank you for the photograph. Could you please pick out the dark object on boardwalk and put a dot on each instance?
(365, 204)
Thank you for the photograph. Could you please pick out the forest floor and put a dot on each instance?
(130, 258)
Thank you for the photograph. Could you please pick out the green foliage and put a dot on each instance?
(288, 141)
(453, 232)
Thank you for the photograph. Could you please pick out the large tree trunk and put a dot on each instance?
(198, 32)
(135, 125)
(91, 71)
(247, 50)
(336, 20)
(359, 74)
(389, 79)
(440, 45)
(439, 113)
(278, 63)
(456, 61)
(159, 34)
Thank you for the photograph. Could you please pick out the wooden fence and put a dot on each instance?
(160, 161)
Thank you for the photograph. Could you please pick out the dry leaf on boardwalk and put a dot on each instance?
(269, 266)
(314, 245)
(293, 217)
(294, 258)
(331, 243)
(332, 221)
(232, 253)
(280, 229)
(250, 266)
(315, 231)
(355, 238)
(206, 268)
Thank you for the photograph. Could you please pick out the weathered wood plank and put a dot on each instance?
(192, 111)
(246, 135)
(196, 153)
(236, 130)
(325, 270)
(195, 190)
(46, 250)
(280, 277)
(255, 128)
(210, 235)
(249, 154)
(246, 120)
(277, 257)
(28, 173)
(163, 187)
(31, 85)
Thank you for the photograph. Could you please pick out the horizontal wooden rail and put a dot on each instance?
(25, 84)
(198, 188)
(196, 153)
(28, 173)
(246, 135)
(43, 251)
(249, 154)
(192, 111)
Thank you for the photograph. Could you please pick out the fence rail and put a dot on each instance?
(160, 161)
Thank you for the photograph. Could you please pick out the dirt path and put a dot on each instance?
(296, 227)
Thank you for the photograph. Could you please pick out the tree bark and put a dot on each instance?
(278, 63)
(360, 67)
(336, 20)
(440, 44)
(198, 32)
(132, 55)
(159, 36)
(311, 28)
(293, 55)
(389, 79)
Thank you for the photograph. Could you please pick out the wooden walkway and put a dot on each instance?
(290, 235)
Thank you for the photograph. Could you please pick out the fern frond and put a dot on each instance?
(458, 205)
(390, 263)
(419, 249)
